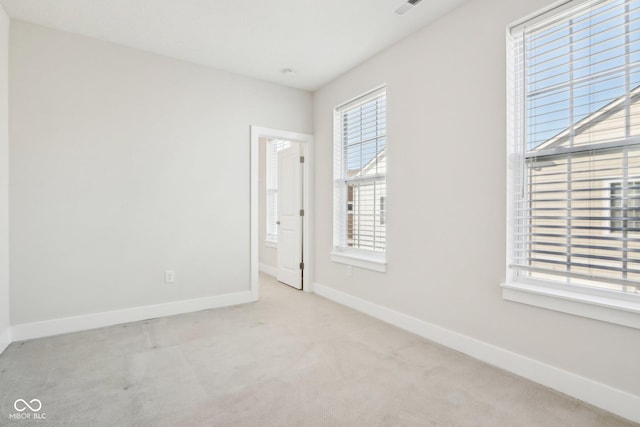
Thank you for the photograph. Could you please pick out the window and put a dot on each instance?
(621, 207)
(360, 180)
(273, 147)
(574, 151)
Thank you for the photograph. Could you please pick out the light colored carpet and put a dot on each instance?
(292, 359)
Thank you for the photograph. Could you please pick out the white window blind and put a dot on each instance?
(360, 174)
(273, 147)
(575, 147)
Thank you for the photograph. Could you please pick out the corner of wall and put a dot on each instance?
(268, 269)
(5, 332)
(5, 339)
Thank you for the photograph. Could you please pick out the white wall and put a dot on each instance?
(268, 256)
(4, 180)
(125, 164)
(446, 197)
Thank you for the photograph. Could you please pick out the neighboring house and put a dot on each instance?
(601, 206)
(366, 199)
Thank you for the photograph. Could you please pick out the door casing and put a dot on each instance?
(306, 142)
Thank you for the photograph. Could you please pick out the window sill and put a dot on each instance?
(621, 310)
(375, 262)
(271, 244)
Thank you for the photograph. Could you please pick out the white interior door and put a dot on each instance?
(289, 216)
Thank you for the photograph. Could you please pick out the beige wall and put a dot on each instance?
(125, 164)
(447, 197)
(4, 179)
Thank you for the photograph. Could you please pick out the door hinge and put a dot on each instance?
(301, 159)
(301, 212)
(302, 266)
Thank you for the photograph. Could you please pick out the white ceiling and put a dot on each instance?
(319, 39)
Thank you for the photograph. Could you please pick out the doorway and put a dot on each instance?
(281, 207)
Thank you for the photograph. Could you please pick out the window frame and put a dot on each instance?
(605, 305)
(357, 257)
(625, 205)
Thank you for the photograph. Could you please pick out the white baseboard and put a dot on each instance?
(5, 339)
(267, 269)
(65, 325)
(601, 395)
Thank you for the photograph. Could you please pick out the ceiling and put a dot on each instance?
(319, 39)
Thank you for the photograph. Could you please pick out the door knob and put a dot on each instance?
(278, 222)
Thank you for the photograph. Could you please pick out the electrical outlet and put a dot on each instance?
(169, 276)
(349, 271)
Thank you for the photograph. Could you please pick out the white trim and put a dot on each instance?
(555, 8)
(5, 339)
(363, 98)
(271, 244)
(65, 325)
(307, 148)
(268, 269)
(370, 262)
(623, 311)
(598, 394)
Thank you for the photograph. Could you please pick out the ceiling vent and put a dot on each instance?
(406, 6)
